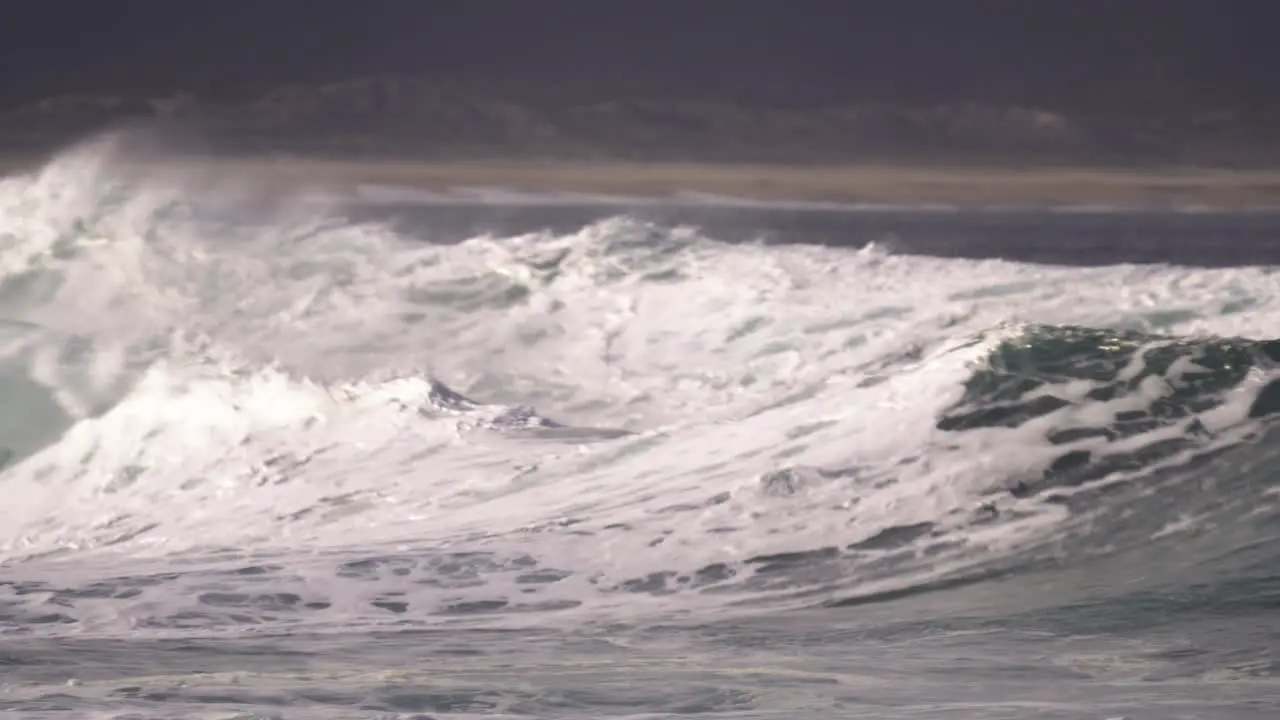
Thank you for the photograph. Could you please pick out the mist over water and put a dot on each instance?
(313, 457)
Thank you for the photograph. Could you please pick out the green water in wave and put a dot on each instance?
(29, 418)
(1139, 383)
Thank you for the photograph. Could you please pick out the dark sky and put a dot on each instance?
(1095, 54)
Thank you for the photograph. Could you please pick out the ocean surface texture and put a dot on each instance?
(495, 455)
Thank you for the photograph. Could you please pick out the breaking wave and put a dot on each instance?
(216, 414)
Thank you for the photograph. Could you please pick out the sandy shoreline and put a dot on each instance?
(963, 187)
(847, 184)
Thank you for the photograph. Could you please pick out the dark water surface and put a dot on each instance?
(1078, 238)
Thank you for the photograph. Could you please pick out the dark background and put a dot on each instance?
(1100, 56)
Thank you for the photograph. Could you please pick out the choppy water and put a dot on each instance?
(304, 457)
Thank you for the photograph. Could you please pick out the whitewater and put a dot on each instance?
(301, 455)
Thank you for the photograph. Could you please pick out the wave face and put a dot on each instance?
(227, 418)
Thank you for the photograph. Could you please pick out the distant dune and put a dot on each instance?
(407, 118)
(435, 136)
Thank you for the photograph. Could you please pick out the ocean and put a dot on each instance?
(488, 454)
